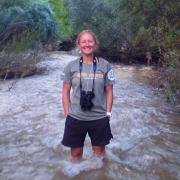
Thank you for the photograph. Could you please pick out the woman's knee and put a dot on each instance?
(99, 150)
(76, 152)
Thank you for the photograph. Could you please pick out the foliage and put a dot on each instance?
(61, 16)
(5, 4)
(21, 42)
(23, 26)
(132, 28)
(108, 19)
(146, 24)
(172, 76)
(21, 18)
(157, 21)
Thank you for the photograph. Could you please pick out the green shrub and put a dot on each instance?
(26, 21)
(60, 13)
(172, 76)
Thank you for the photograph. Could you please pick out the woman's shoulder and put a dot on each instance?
(73, 62)
(103, 61)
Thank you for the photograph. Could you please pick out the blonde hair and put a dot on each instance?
(89, 32)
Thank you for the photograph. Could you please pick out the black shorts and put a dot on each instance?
(75, 132)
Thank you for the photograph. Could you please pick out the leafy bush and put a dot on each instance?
(172, 76)
(5, 4)
(21, 18)
(60, 13)
(23, 26)
(137, 24)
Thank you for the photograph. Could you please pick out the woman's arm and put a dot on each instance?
(109, 97)
(66, 97)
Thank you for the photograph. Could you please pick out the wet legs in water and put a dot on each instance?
(76, 153)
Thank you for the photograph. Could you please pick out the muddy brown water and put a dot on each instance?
(146, 130)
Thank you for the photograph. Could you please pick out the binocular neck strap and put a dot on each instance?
(80, 70)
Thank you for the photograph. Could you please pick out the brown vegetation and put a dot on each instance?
(15, 65)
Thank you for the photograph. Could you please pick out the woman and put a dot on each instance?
(88, 108)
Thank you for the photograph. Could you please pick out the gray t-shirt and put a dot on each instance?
(104, 76)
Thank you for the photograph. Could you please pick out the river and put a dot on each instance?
(146, 129)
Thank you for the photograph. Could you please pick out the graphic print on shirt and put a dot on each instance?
(110, 75)
(84, 75)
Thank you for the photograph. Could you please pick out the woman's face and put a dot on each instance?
(87, 44)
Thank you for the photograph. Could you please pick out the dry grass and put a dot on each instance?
(21, 64)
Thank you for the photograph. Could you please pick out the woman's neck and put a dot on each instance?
(87, 59)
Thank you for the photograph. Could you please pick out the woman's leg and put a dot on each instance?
(99, 151)
(76, 154)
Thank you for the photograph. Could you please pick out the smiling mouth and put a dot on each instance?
(89, 47)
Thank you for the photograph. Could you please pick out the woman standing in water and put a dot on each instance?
(88, 108)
